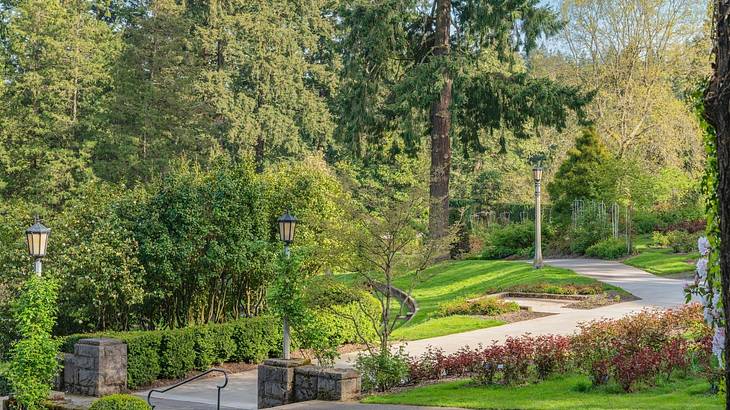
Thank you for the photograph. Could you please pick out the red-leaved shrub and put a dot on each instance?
(674, 356)
(516, 359)
(630, 367)
(552, 355)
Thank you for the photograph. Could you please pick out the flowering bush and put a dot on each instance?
(706, 287)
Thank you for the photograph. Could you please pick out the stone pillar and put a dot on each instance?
(98, 367)
(276, 382)
(318, 383)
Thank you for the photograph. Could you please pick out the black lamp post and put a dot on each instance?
(537, 174)
(287, 224)
(36, 237)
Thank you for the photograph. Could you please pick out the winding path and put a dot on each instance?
(654, 291)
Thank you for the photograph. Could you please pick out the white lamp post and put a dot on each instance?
(537, 174)
(287, 223)
(36, 237)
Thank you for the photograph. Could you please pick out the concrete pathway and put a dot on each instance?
(654, 291)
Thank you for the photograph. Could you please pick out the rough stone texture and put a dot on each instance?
(276, 382)
(282, 382)
(317, 383)
(98, 367)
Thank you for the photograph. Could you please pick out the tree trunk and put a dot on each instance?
(259, 157)
(717, 104)
(440, 127)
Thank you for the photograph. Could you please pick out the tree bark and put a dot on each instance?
(440, 127)
(717, 111)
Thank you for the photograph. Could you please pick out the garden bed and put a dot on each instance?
(453, 280)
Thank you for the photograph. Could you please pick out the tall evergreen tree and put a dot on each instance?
(407, 75)
(56, 59)
(267, 75)
(577, 177)
(156, 114)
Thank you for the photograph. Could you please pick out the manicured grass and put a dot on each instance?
(452, 280)
(444, 326)
(572, 392)
(663, 261)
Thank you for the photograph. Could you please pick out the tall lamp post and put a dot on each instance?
(287, 223)
(36, 237)
(537, 174)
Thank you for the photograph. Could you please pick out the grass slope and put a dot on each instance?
(558, 394)
(453, 280)
(663, 261)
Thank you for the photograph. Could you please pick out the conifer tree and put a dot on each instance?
(55, 59)
(444, 68)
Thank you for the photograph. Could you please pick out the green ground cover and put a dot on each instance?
(571, 392)
(660, 261)
(663, 261)
(452, 280)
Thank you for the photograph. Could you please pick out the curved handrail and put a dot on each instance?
(163, 391)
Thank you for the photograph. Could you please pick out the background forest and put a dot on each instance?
(161, 139)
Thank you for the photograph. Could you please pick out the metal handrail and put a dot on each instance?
(225, 383)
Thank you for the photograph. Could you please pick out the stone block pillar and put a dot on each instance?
(98, 367)
(276, 382)
(318, 383)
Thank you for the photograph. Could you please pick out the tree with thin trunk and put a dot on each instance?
(717, 103)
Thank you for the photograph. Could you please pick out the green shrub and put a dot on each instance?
(4, 383)
(224, 345)
(143, 360)
(682, 241)
(173, 353)
(382, 371)
(660, 240)
(487, 306)
(177, 353)
(646, 222)
(33, 359)
(256, 339)
(587, 234)
(612, 248)
(564, 289)
(205, 347)
(120, 402)
(516, 239)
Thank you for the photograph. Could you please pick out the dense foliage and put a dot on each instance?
(631, 352)
(174, 353)
(120, 402)
(33, 358)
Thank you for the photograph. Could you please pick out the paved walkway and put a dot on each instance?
(654, 291)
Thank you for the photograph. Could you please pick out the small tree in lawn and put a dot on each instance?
(391, 241)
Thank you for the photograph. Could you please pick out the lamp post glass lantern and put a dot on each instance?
(287, 224)
(537, 174)
(36, 237)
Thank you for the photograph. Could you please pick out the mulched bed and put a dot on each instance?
(519, 316)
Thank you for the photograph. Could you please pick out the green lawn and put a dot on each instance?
(444, 326)
(451, 280)
(663, 261)
(557, 394)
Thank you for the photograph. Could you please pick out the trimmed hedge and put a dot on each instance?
(173, 353)
(120, 402)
